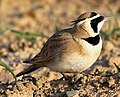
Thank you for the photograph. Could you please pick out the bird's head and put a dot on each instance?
(91, 22)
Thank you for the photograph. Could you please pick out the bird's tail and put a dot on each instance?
(28, 70)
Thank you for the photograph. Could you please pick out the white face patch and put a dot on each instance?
(100, 25)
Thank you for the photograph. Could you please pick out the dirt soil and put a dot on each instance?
(41, 16)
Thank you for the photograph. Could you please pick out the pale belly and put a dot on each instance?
(76, 62)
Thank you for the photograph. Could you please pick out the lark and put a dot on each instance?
(71, 50)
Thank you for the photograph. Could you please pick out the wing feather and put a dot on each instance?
(52, 47)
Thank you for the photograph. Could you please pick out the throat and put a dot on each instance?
(93, 40)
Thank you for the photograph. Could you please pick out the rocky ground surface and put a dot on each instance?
(42, 16)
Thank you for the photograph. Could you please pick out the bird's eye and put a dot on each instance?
(101, 17)
(97, 20)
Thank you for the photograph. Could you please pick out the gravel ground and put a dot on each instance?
(41, 16)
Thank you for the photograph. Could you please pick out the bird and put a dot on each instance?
(73, 49)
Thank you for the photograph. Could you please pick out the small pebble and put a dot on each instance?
(73, 93)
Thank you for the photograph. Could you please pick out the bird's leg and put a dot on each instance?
(72, 77)
(76, 77)
(67, 76)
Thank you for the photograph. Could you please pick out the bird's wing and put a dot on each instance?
(59, 45)
(54, 45)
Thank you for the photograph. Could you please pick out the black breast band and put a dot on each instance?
(93, 40)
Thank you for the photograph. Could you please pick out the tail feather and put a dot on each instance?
(28, 70)
(26, 61)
